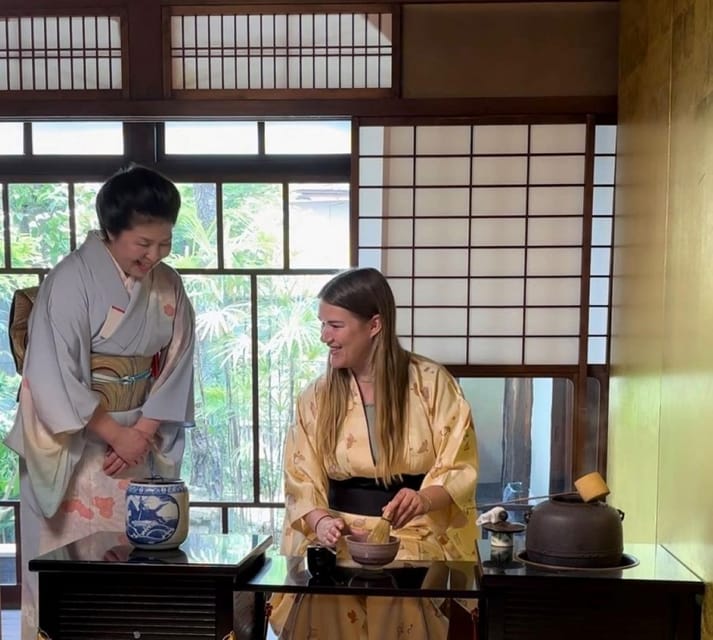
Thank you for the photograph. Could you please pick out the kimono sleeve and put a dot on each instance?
(456, 466)
(171, 398)
(305, 477)
(55, 401)
(57, 362)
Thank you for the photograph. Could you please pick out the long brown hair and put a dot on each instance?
(366, 293)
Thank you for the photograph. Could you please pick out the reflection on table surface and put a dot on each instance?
(652, 563)
(407, 578)
(111, 549)
(263, 569)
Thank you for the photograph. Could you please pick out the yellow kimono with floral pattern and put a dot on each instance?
(440, 444)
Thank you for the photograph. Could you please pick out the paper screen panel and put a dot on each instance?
(497, 262)
(554, 232)
(565, 201)
(554, 292)
(429, 321)
(542, 321)
(496, 322)
(556, 170)
(496, 170)
(505, 201)
(67, 53)
(442, 171)
(554, 262)
(499, 231)
(303, 51)
(402, 290)
(442, 202)
(493, 232)
(495, 292)
(500, 139)
(443, 140)
(558, 138)
(495, 351)
(441, 233)
(393, 203)
(441, 291)
(442, 349)
(397, 232)
(551, 350)
(602, 242)
(440, 262)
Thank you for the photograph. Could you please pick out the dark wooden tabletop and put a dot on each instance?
(397, 579)
(256, 565)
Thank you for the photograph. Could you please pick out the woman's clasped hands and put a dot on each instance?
(129, 448)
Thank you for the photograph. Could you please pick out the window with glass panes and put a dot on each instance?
(253, 242)
(496, 239)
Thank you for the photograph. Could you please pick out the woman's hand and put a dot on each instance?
(129, 446)
(405, 506)
(126, 446)
(148, 428)
(113, 465)
(329, 529)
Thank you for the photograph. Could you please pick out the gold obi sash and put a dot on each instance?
(122, 382)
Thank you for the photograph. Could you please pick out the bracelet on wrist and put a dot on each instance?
(316, 524)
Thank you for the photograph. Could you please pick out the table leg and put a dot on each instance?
(260, 628)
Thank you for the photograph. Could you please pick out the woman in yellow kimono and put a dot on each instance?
(383, 431)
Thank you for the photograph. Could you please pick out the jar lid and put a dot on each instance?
(157, 480)
(504, 527)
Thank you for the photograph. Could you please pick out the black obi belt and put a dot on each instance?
(365, 496)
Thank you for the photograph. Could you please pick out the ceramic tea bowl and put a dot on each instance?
(372, 554)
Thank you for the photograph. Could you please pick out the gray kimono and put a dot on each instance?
(83, 307)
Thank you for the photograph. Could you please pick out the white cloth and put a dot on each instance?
(491, 517)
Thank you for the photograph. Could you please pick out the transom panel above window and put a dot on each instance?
(62, 53)
(338, 51)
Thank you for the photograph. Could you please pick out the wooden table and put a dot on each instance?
(400, 579)
(658, 599)
(100, 588)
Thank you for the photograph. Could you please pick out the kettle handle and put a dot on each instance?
(621, 513)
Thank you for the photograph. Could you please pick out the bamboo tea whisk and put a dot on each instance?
(381, 533)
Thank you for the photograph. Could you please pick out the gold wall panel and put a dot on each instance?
(639, 263)
(687, 385)
(509, 49)
(662, 347)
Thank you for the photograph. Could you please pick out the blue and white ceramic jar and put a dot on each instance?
(156, 513)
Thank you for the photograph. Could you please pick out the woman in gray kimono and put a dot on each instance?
(107, 380)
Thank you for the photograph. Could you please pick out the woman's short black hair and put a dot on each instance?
(136, 195)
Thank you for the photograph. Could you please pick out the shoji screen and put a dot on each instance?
(481, 232)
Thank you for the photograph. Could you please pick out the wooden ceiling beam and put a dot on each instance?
(33, 108)
(51, 6)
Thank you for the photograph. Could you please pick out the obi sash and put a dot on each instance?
(364, 496)
(122, 382)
